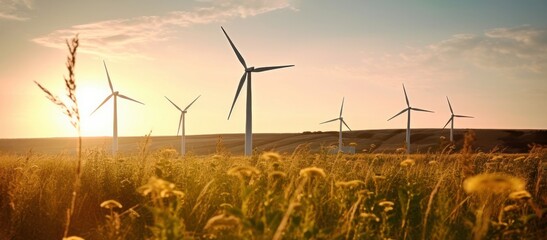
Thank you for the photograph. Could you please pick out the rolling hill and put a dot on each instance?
(423, 140)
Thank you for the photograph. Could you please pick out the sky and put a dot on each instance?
(489, 57)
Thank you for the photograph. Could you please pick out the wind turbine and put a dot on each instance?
(114, 94)
(181, 122)
(451, 120)
(341, 119)
(408, 109)
(249, 114)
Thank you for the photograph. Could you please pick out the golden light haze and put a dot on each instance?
(491, 64)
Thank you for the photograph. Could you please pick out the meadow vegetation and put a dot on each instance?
(304, 195)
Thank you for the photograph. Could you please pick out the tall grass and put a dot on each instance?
(271, 196)
(72, 111)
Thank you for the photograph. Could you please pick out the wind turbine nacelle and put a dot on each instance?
(116, 93)
(249, 69)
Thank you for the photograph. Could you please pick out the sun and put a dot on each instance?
(89, 98)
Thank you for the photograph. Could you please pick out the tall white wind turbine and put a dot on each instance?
(249, 113)
(408, 109)
(451, 120)
(114, 94)
(341, 119)
(181, 123)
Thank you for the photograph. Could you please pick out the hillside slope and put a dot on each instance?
(423, 140)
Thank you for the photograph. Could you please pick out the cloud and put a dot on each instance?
(13, 9)
(516, 53)
(126, 36)
(522, 48)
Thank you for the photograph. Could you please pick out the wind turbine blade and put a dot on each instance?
(191, 103)
(128, 98)
(406, 97)
(449, 105)
(262, 69)
(450, 119)
(173, 103)
(406, 109)
(421, 110)
(237, 92)
(180, 123)
(330, 121)
(344, 122)
(342, 107)
(241, 60)
(105, 100)
(463, 116)
(108, 76)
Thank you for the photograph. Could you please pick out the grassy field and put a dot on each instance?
(306, 194)
(303, 195)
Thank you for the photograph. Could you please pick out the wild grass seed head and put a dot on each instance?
(270, 156)
(433, 162)
(73, 238)
(370, 216)
(313, 171)
(509, 208)
(160, 188)
(408, 162)
(349, 184)
(111, 204)
(222, 222)
(386, 203)
(275, 175)
(520, 195)
(493, 183)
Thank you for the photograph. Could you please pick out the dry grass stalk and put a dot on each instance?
(292, 205)
(469, 139)
(429, 204)
(72, 111)
(467, 163)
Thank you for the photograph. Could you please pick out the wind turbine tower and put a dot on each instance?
(451, 120)
(341, 119)
(114, 94)
(181, 123)
(408, 110)
(249, 114)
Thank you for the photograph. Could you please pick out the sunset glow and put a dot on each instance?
(489, 58)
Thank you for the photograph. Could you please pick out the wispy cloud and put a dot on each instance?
(121, 37)
(513, 52)
(14, 10)
(521, 48)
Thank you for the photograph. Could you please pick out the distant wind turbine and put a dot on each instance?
(249, 114)
(451, 120)
(181, 123)
(341, 119)
(408, 109)
(116, 94)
